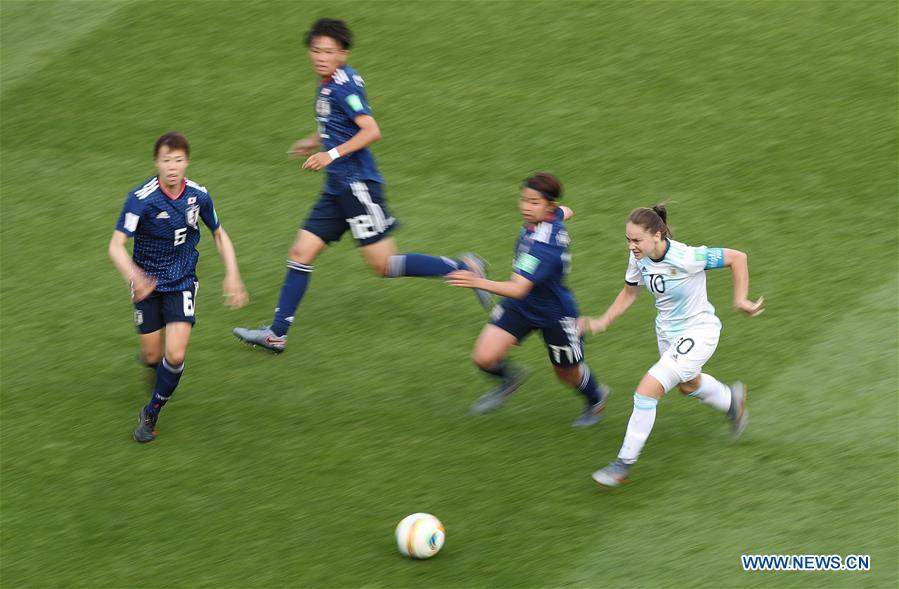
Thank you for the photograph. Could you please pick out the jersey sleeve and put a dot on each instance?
(699, 259)
(130, 216)
(540, 263)
(208, 214)
(633, 276)
(350, 98)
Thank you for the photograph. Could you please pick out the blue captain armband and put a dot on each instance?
(714, 258)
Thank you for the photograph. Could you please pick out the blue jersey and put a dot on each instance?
(541, 256)
(341, 98)
(166, 231)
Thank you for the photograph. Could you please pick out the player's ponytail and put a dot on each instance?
(654, 219)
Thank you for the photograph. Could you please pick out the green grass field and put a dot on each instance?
(771, 126)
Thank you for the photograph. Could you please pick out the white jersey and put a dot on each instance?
(677, 281)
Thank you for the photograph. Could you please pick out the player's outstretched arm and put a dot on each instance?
(738, 263)
(235, 293)
(517, 287)
(567, 213)
(368, 133)
(141, 284)
(622, 303)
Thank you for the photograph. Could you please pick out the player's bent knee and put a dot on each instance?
(380, 268)
(299, 254)
(484, 360)
(176, 359)
(151, 358)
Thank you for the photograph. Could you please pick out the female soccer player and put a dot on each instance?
(686, 327)
(353, 195)
(536, 298)
(162, 215)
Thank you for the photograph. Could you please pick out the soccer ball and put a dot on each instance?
(420, 535)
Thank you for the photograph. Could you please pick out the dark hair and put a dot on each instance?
(172, 140)
(653, 219)
(330, 27)
(546, 184)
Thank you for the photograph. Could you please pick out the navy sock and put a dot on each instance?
(167, 379)
(500, 369)
(587, 386)
(422, 265)
(292, 291)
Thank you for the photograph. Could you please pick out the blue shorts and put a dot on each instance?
(357, 206)
(563, 344)
(161, 308)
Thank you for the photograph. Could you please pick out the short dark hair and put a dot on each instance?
(172, 140)
(331, 27)
(654, 220)
(546, 184)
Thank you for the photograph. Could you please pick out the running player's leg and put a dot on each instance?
(324, 224)
(680, 364)
(692, 352)
(152, 347)
(729, 399)
(151, 327)
(639, 426)
(365, 208)
(566, 353)
(169, 372)
(178, 312)
(300, 263)
(505, 330)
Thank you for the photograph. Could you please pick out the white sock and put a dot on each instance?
(713, 392)
(638, 428)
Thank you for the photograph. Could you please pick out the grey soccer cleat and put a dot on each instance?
(615, 473)
(146, 427)
(477, 265)
(493, 400)
(738, 414)
(593, 411)
(263, 336)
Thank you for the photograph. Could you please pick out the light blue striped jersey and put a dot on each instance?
(677, 281)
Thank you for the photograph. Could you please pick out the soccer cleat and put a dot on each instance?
(492, 400)
(264, 336)
(593, 411)
(146, 427)
(738, 414)
(477, 265)
(615, 473)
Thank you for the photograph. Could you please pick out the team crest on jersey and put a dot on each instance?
(193, 215)
(674, 271)
(323, 107)
(191, 200)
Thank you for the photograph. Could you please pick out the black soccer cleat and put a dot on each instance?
(146, 427)
(592, 413)
(494, 399)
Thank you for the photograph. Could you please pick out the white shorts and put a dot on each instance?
(683, 357)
